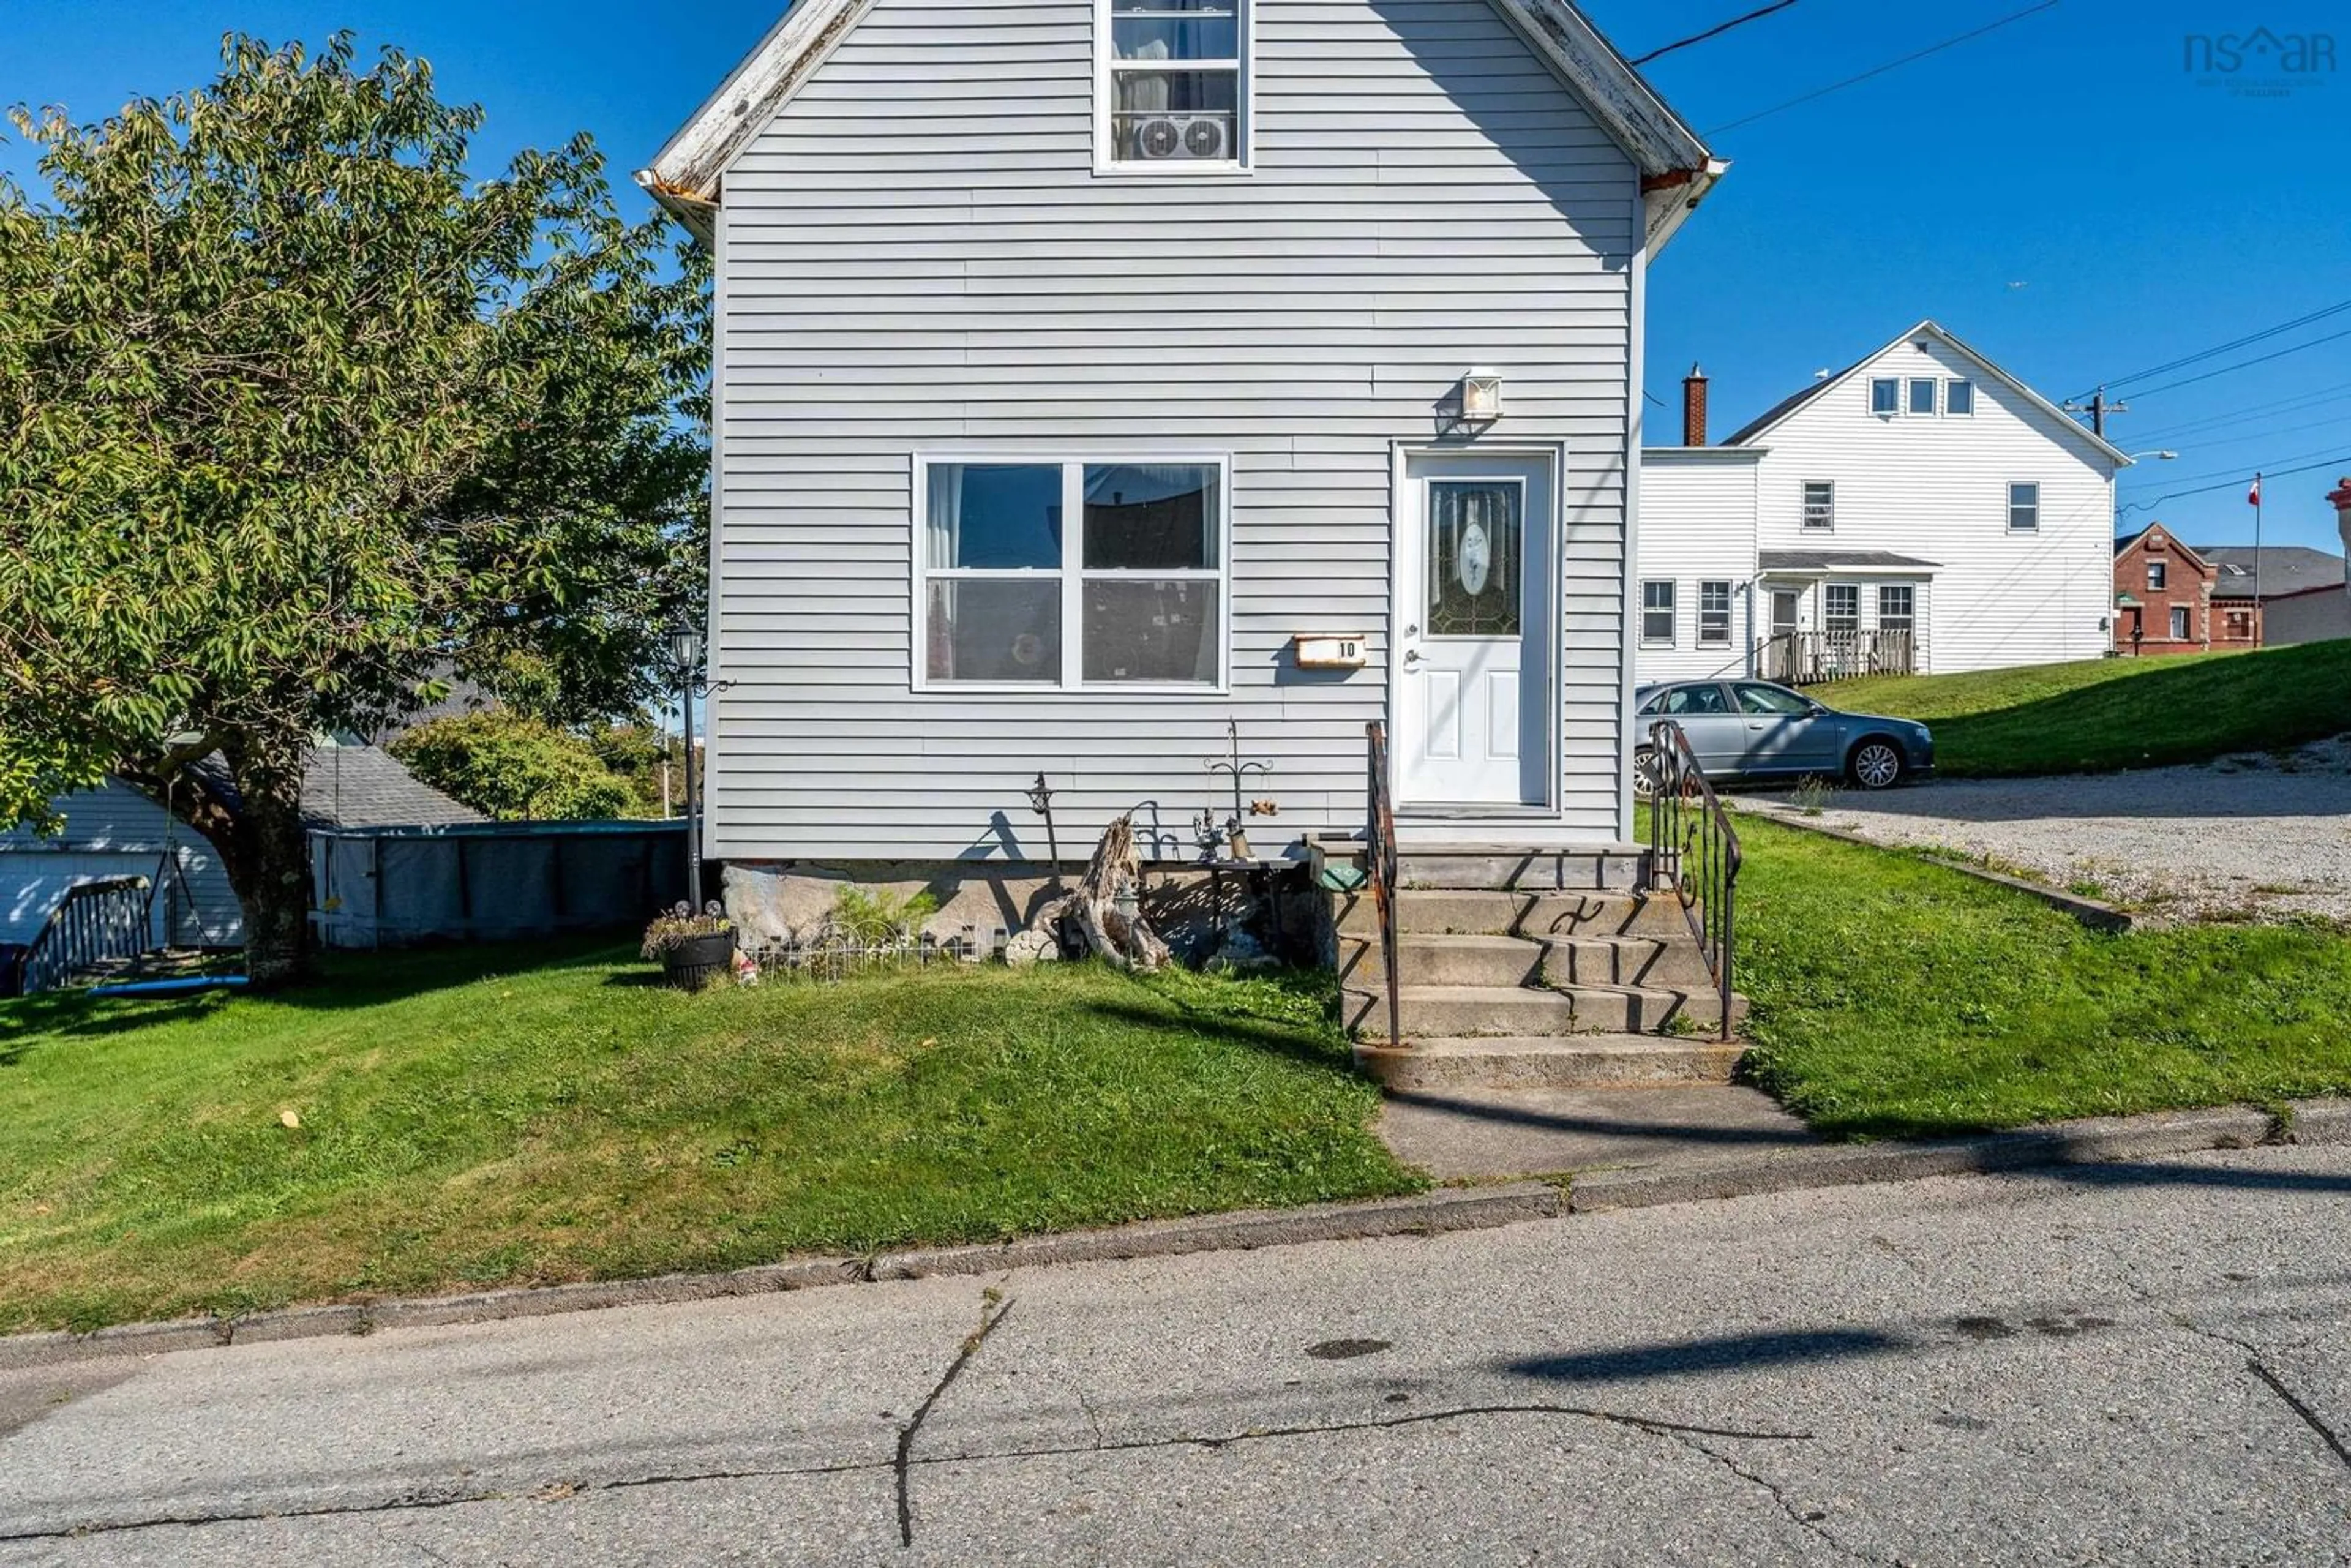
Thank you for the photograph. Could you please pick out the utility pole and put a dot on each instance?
(2098, 408)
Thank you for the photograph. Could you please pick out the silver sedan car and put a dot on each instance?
(1754, 730)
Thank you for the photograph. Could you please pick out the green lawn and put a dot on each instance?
(464, 1126)
(1893, 998)
(2103, 715)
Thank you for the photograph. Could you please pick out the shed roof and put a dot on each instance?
(1837, 560)
(688, 177)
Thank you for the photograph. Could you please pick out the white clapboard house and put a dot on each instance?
(1921, 511)
(1090, 373)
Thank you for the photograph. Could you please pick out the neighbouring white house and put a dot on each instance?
(1921, 511)
(1091, 373)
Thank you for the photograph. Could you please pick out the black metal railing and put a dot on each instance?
(1815, 658)
(1694, 852)
(97, 924)
(1380, 860)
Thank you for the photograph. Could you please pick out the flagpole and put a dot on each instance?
(2261, 626)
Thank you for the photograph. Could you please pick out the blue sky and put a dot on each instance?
(2063, 192)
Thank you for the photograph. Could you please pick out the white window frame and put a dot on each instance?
(2034, 507)
(1908, 619)
(2159, 576)
(1877, 382)
(1071, 572)
(2183, 625)
(1727, 613)
(1953, 385)
(1671, 609)
(1804, 506)
(1910, 396)
(1829, 588)
(1243, 161)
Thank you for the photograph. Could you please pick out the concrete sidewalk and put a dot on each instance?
(1472, 1134)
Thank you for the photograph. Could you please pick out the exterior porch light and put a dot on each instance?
(685, 648)
(1481, 398)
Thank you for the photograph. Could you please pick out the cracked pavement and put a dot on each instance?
(2141, 1364)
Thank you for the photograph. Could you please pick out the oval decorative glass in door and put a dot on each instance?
(1477, 538)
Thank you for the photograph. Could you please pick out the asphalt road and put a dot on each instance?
(2142, 1364)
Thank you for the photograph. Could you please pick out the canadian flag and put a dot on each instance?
(2253, 496)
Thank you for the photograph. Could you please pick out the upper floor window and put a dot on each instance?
(1014, 596)
(1885, 395)
(1959, 397)
(1922, 395)
(2156, 571)
(1173, 85)
(2024, 507)
(1820, 502)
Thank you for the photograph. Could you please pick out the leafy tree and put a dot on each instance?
(506, 765)
(293, 408)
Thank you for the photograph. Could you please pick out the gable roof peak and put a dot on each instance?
(686, 177)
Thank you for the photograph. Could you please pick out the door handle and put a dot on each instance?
(1411, 655)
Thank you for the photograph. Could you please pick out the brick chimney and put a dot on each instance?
(1694, 408)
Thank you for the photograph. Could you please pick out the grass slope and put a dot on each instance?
(464, 1126)
(1893, 998)
(2103, 714)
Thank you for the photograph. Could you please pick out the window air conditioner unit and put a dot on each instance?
(1165, 138)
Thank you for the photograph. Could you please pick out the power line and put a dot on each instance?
(1881, 70)
(1715, 32)
(2246, 469)
(2317, 398)
(2233, 343)
(2243, 364)
(2233, 484)
(2205, 443)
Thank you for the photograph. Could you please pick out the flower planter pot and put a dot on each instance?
(699, 961)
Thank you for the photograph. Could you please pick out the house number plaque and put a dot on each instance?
(1330, 653)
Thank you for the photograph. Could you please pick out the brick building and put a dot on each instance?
(2164, 600)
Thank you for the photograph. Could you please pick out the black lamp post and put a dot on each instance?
(685, 654)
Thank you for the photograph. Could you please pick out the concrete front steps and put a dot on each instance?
(1541, 969)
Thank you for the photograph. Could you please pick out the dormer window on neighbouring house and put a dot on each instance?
(1173, 88)
(1885, 395)
(1959, 397)
(1922, 395)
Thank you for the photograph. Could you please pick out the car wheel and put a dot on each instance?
(1645, 778)
(1877, 765)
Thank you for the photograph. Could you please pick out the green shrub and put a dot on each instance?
(509, 766)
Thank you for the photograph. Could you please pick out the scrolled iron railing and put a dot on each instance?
(95, 923)
(1380, 860)
(1694, 852)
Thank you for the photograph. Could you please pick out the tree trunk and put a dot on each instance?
(1129, 944)
(270, 870)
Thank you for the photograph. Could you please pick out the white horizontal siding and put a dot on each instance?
(1937, 489)
(110, 831)
(916, 256)
(1698, 524)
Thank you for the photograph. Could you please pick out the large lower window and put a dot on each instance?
(1174, 76)
(1657, 612)
(1713, 614)
(1132, 595)
(1897, 605)
(1841, 607)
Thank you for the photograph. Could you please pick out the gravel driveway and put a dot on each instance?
(2243, 838)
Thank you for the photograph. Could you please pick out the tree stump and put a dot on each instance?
(1130, 943)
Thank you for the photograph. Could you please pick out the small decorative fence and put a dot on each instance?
(1694, 852)
(95, 926)
(1815, 658)
(826, 958)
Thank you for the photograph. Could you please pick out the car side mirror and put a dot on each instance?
(1820, 710)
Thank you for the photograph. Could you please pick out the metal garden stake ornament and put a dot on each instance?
(1232, 764)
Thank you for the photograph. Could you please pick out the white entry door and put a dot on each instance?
(1476, 584)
